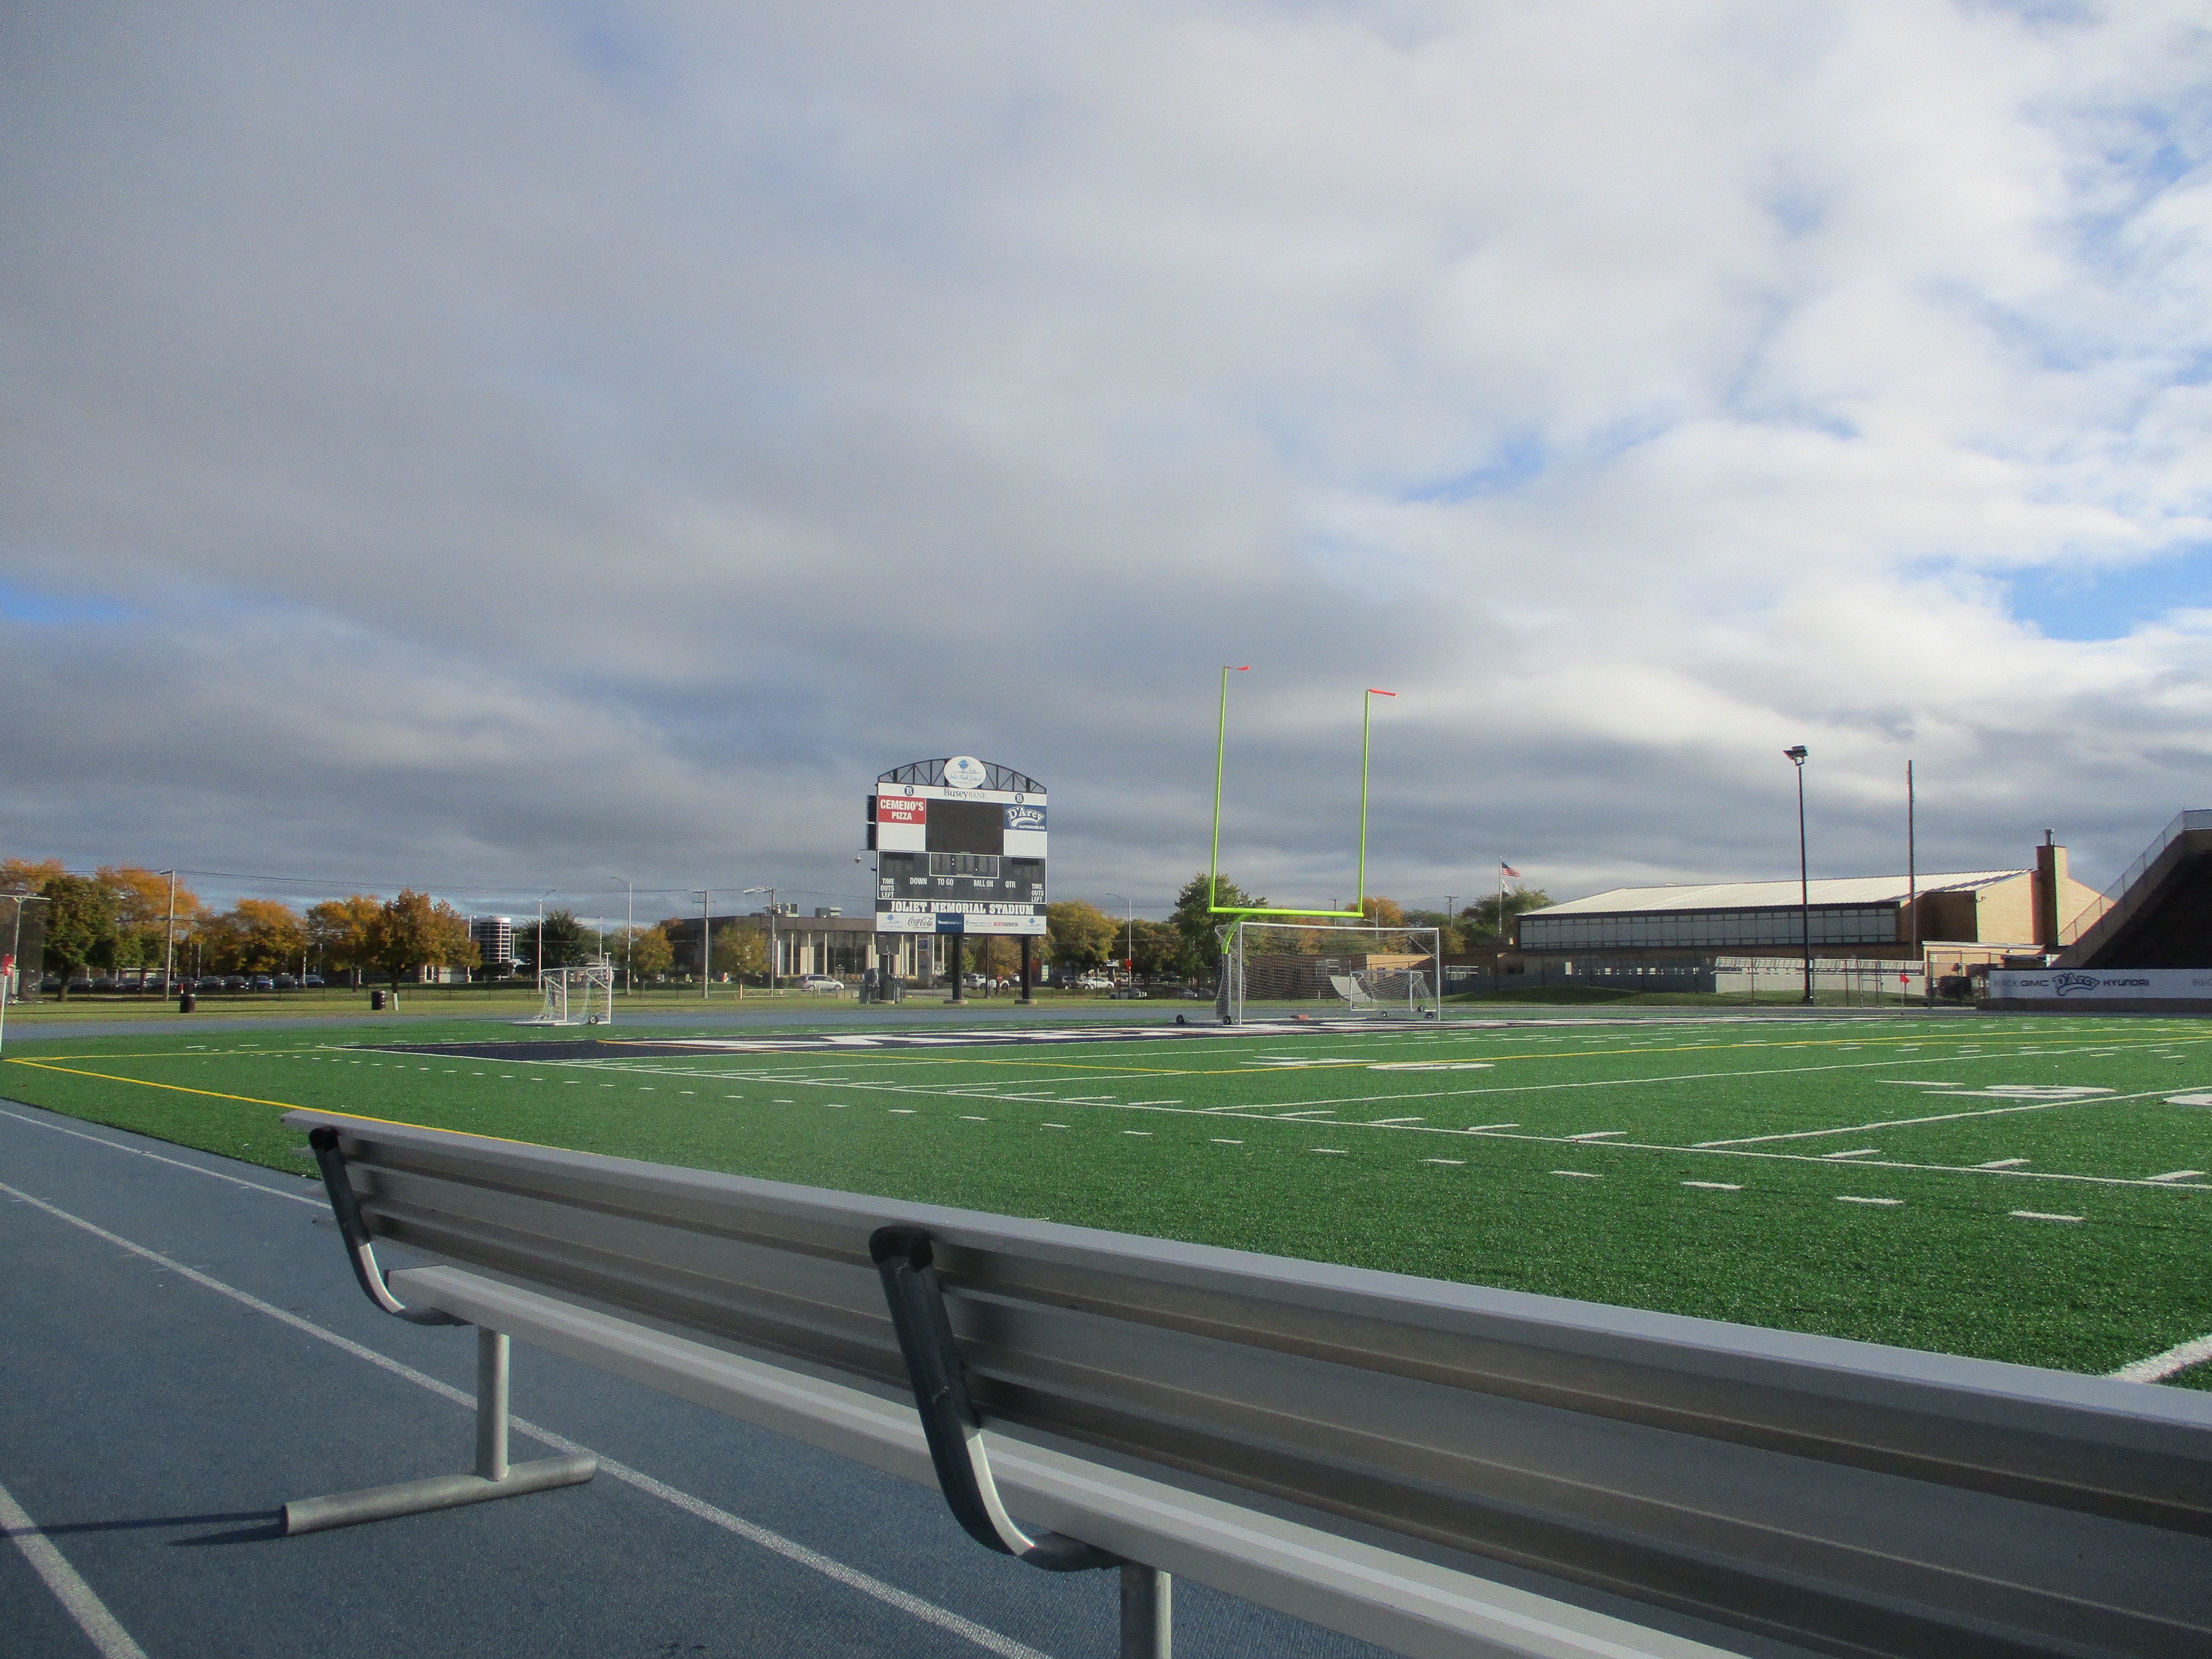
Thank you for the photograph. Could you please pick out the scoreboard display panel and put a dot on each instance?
(959, 847)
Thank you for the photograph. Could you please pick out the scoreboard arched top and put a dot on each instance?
(930, 773)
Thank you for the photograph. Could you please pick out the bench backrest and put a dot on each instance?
(1791, 1483)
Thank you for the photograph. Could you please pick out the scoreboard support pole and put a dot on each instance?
(959, 967)
(1029, 944)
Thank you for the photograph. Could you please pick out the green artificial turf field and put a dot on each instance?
(2023, 1189)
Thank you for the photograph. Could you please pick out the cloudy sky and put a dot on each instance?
(508, 446)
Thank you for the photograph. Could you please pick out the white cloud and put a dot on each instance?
(535, 440)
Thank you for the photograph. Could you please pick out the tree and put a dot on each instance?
(142, 912)
(569, 943)
(79, 925)
(341, 932)
(1379, 912)
(411, 932)
(1484, 913)
(739, 948)
(28, 874)
(1196, 923)
(1078, 935)
(266, 935)
(647, 952)
(1161, 949)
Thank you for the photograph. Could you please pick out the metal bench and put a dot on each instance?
(1437, 1468)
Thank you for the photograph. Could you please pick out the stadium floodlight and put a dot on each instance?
(1214, 869)
(1797, 752)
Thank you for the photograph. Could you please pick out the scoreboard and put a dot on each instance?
(959, 847)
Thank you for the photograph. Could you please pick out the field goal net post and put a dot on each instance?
(1355, 970)
(578, 996)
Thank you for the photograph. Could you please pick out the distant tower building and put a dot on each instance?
(494, 937)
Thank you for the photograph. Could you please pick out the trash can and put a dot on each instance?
(376, 1001)
(187, 1003)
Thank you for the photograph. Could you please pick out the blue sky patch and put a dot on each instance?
(2088, 604)
(37, 610)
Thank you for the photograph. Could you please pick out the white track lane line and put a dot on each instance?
(890, 1595)
(315, 1198)
(90, 1613)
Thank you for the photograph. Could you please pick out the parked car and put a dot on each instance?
(311, 982)
(233, 982)
(208, 983)
(80, 984)
(261, 982)
(106, 983)
(822, 983)
(285, 982)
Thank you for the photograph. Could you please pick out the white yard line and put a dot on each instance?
(852, 1577)
(2160, 1366)
(1941, 1118)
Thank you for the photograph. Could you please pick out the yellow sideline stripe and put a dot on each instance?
(290, 1106)
(179, 1088)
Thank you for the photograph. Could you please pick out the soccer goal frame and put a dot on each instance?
(1310, 966)
(578, 996)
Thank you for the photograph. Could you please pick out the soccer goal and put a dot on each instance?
(1275, 968)
(578, 996)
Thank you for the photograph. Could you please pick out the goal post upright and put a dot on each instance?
(1231, 1005)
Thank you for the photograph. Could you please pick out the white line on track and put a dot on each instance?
(890, 1595)
(316, 1200)
(90, 1613)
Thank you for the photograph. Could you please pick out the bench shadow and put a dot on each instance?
(269, 1523)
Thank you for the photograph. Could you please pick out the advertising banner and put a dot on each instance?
(2100, 985)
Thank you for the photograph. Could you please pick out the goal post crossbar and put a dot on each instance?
(1213, 864)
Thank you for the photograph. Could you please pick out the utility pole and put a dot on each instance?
(1913, 873)
(169, 938)
(1797, 753)
(630, 981)
(706, 943)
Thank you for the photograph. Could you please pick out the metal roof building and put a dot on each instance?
(1855, 915)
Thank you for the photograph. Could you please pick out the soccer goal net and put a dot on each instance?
(1383, 973)
(578, 996)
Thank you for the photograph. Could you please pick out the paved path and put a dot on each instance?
(181, 1350)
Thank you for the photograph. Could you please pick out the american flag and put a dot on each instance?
(1509, 869)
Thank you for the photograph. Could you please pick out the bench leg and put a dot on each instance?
(495, 1476)
(1147, 1608)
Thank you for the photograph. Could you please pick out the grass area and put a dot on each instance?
(2023, 1189)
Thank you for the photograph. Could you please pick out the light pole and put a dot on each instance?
(1129, 947)
(1797, 752)
(629, 981)
(706, 941)
(15, 953)
(539, 971)
(771, 892)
